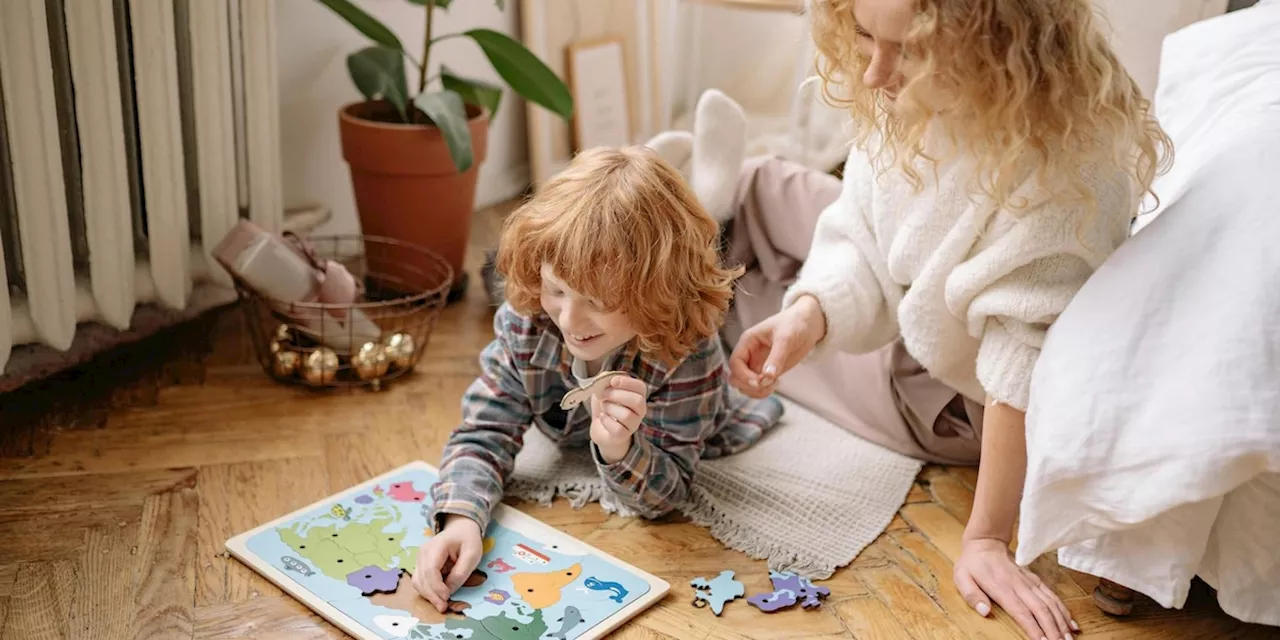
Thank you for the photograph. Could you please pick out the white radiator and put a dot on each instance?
(135, 134)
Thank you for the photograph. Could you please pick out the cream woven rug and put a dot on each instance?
(808, 497)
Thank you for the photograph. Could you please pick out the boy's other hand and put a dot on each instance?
(456, 549)
(616, 415)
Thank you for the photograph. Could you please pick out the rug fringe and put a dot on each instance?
(733, 535)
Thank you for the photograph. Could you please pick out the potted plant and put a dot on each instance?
(414, 157)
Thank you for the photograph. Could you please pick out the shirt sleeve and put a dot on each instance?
(655, 476)
(480, 454)
(846, 273)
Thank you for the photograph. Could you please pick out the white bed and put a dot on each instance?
(1153, 435)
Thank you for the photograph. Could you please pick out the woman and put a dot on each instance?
(1001, 153)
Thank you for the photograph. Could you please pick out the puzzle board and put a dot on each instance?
(350, 556)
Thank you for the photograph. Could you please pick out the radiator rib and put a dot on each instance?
(134, 134)
(214, 123)
(262, 113)
(91, 35)
(31, 116)
(155, 55)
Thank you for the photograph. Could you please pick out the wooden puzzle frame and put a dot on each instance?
(503, 515)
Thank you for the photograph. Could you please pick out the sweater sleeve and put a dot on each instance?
(846, 272)
(1014, 290)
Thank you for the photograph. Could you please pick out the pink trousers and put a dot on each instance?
(885, 396)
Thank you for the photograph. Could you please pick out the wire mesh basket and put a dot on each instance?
(381, 336)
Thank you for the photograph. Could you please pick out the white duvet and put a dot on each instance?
(1153, 434)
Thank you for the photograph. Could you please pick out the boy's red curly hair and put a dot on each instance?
(622, 226)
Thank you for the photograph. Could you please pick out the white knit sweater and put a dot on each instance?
(972, 290)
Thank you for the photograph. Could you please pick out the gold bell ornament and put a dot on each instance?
(370, 361)
(320, 367)
(399, 350)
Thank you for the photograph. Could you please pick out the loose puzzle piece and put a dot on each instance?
(788, 589)
(717, 592)
(590, 388)
(541, 590)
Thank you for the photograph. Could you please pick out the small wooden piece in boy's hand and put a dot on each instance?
(616, 414)
(588, 389)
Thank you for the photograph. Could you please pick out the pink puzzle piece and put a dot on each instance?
(404, 492)
(499, 565)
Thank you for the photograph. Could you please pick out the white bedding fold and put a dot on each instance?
(1153, 434)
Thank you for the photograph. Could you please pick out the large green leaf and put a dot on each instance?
(477, 92)
(365, 23)
(378, 72)
(526, 74)
(443, 4)
(447, 111)
(502, 6)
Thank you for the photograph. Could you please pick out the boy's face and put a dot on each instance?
(589, 332)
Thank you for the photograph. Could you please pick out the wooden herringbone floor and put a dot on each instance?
(120, 483)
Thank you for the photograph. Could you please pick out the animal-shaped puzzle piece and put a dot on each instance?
(591, 387)
(716, 592)
(572, 617)
(788, 589)
(619, 591)
(541, 590)
(499, 565)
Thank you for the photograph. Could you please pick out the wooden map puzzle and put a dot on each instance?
(350, 557)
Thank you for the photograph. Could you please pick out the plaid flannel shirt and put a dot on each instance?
(692, 413)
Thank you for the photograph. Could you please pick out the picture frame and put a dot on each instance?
(596, 71)
(549, 27)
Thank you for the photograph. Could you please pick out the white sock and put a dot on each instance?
(719, 147)
(676, 147)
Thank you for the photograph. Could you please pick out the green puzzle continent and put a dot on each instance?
(337, 550)
(501, 627)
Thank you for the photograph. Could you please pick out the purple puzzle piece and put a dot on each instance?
(788, 589)
(371, 580)
(363, 499)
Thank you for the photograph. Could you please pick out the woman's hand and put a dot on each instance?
(986, 571)
(775, 345)
(616, 414)
(456, 549)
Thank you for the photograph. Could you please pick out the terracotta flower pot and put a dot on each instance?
(406, 186)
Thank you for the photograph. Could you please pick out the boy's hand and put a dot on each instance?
(616, 415)
(459, 546)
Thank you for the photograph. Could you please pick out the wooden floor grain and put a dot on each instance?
(120, 483)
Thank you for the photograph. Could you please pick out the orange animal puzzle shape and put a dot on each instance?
(541, 590)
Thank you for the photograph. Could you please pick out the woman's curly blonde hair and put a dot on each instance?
(1032, 90)
(623, 227)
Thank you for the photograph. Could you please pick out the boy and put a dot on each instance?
(611, 266)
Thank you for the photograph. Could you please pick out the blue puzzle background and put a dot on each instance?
(368, 537)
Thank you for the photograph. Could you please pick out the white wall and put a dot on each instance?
(1137, 28)
(314, 84)
(752, 55)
